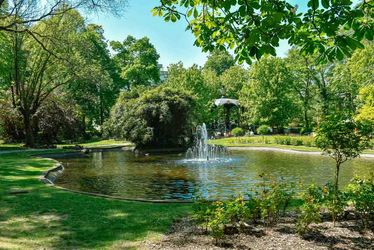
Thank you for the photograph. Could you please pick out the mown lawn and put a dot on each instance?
(87, 144)
(270, 141)
(46, 217)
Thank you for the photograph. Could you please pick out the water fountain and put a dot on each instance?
(202, 151)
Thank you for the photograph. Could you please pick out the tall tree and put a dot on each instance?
(37, 72)
(99, 83)
(137, 60)
(267, 99)
(302, 72)
(219, 61)
(366, 109)
(348, 76)
(233, 80)
(16, 13)
(192, 80)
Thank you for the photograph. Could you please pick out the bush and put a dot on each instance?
(263, 130)
(272, 197)
(56, 120)
(11, 124)
(265, 204)
(361, 193)
(237, 132)
(311, 209)
(161, 117)
(317, 198)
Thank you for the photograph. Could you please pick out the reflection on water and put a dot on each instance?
(120, 173)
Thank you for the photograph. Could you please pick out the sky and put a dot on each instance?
(172, 41)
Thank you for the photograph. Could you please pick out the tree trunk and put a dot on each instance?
(336, 188)
(29, 135)
(306, 119)
(336, 184)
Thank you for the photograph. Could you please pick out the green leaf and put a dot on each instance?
(369, 35)
(195, 13)
(339, 54)
(314, 4)
(242, 11)
(325, 3)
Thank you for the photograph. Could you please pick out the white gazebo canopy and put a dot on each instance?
(226, 101)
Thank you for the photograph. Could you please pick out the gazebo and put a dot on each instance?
(227, 104)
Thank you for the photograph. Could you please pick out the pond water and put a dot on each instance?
(162, 177)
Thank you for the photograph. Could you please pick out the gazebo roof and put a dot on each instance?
(226, 101)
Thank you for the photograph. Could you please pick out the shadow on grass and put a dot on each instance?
(52, 218)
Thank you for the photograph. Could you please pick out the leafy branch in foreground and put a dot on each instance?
(253, 28)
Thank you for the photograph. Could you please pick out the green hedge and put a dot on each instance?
(307, 141)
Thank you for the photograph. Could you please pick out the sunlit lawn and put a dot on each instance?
(99, 143)
(47, 217)
(256, 142)
(88, 144)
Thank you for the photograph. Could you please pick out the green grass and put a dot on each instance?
(98, 143)
(47, 217)
(88, 144)
(10, 146)
(273, 141)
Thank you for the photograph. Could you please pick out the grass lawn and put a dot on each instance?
(98, 143)
(256, 142)
(88, 144)
(12, 146)
(47, 217)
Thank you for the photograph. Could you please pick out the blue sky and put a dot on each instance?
(172, 42)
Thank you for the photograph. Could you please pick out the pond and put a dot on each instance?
(163, 177)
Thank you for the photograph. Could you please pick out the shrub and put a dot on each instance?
(237, 132)
(361, 193)
(310, 210)
(56, 120)
(272, 197)
(216, 216)
(11, 124)
(263, 130)
(296, 142)
(160, 117)
(317, 198)
(266, 202)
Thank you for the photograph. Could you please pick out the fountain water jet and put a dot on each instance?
(202, 151)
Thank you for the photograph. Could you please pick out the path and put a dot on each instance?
(290, 151)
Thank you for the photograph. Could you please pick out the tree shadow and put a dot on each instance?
(51, 218)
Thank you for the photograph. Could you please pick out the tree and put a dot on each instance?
(158, 118)
(303, 73)
(20, 16)
(193, 81)
(342, 138)
(267, 98)
(252, 29)
(137, 61)
(366, 111)
(361, 65)
(219, 61)
(99, 83)
(348, 76)
(233, 80)
(37, 72)
(5, 57)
